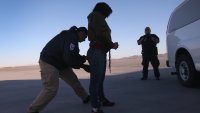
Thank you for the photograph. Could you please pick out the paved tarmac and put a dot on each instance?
(130, 94)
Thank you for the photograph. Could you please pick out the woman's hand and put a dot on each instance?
(115, 45)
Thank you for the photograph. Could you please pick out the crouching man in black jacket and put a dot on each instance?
(57, 59)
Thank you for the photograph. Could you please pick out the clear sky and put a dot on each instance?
(27, 25)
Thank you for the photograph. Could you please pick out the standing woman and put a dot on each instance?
(99, 35)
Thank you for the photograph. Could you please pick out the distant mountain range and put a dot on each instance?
(140, 56)
(162, 57)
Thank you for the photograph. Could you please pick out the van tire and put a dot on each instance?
(185, 71)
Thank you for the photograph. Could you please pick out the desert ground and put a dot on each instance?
(20, 85)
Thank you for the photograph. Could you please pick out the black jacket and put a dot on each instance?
(99, 33)
(63, 51)
(148, 46)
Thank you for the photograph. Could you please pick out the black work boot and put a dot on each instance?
(157, 78)
(145, 74)
(144, 78)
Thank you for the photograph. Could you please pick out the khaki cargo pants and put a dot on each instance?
(50, 79)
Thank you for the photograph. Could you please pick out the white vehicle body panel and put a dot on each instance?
(184, 35)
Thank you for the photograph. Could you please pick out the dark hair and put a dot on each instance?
(75, 29)
(103, 8)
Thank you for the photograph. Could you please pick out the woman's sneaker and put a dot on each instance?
(107, 103)
(97, 110)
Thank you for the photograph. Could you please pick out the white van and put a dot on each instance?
(183, 42)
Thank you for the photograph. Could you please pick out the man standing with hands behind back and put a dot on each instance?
(149, 53)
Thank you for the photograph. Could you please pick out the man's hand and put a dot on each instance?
(83, 59)
(86, 68)
(155, 40)
(140, 41)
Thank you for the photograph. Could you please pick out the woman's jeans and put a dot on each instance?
(97, 61)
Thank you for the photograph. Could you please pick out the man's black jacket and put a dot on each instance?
(63, 51)
(148, 46)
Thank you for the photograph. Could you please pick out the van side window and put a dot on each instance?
(186, 14)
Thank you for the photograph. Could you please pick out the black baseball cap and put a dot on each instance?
(84, 29)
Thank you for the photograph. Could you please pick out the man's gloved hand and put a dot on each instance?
(86, 68)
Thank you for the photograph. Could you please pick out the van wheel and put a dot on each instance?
(186, 71)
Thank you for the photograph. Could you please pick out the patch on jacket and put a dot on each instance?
(72, 47)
